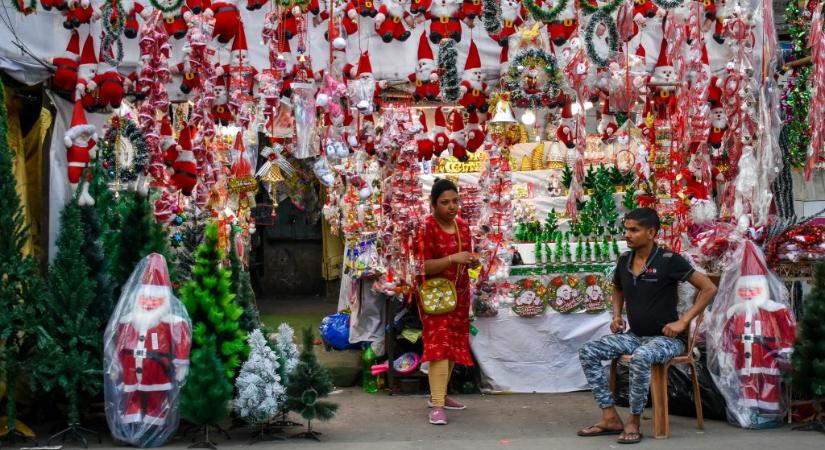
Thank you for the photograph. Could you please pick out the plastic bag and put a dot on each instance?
(334, 331)
(750, 336)
(303, 108)
(146, 357)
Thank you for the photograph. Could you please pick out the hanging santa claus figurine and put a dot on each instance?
(133, 10)
(65, 70)
(227, 20)
(566, 132)
(146, 357)
(607, 124)
(186, 168)
(364, 8)
(364, 92)
(440, 138)
(564, 27)
(110, 90)
(86, 87)
(81, 147)
(472, 86)
(664, 87)
(756, 341)
(220, 107)
(445, 20)
(475, 134)
(424, 142)
(79, 12)
(719, 125)
(168, 144)
(458, 137)
(389, 22)
(425, 77)
(512, 14)
(173, 21)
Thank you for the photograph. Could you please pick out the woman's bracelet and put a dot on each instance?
(450, 259)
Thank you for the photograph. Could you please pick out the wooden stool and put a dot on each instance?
(658, 385)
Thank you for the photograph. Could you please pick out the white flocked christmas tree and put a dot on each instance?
(288, 354)
(260, 392)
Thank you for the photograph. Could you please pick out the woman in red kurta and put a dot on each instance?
(446, 336)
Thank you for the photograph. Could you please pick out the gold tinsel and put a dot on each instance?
(537, 156)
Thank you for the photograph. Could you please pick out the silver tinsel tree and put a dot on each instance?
(259, 388)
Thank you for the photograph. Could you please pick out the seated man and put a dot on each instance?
(646, 280)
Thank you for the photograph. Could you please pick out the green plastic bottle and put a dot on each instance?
(370, 381)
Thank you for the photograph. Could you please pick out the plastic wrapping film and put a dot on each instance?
(303, 108)
(750, 336)
(146, 357)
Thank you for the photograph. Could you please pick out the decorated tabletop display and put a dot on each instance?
(564, 293)
(529, 297)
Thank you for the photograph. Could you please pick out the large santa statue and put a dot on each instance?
(472, 86)
(146, 357)
(80, 144)
(757, 337)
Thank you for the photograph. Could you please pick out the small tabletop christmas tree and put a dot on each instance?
(288, 354)
(307, 385)
(808, 359)
(207, 392)
(259, 386)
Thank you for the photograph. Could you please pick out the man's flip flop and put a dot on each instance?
(638, 438)
(602, 432)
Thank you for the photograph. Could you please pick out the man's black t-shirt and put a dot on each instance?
(651, 298)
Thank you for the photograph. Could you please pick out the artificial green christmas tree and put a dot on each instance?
(307, 385)
(205, 396)
(95, 254)
(808, 358)
(551, 225)
(242, 288)
(192, 232)
(75, 329)
(567, 177)
(22, 292)
(138, 237)
(629, 199)
(211, 305)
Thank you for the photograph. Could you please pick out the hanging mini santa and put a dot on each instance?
(186, 168)
(173, 22)
(364, 91)
(472, 86)
(424, 141)
(719, 125)
(440, 138)
(512, 14)
(80, 144)
(663, 80)
(146, 357)
(240, 72)
(65, 70)
(133, 10)
(168, 144)
(79, 12)
(475, 134)
(458, 137)
(426, 72)
(445, 20)
(227, 20)
(109, 83)
(364, 8)
(389, 22)
(564, 27)
(607, 123)
(566, 132)
(220, 107)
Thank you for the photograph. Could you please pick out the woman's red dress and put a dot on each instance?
(447, 336)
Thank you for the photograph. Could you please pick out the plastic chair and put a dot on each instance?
(658, 384)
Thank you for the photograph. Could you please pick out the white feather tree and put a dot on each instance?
(260, 393)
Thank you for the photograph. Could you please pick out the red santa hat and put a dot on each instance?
(752, 285)
(87, 58)
(155, 280)
(457, 122)
(73, 47)
(473, 60)
(424, 50)
(79, 126)
(423, 120)
(364, 64)
(567, 110)
(241, 168)
(641, 52)
(239, 43)
(222, 81)
(663, 60)
(440, 121)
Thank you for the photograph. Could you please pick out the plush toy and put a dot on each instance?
(174, 22)
(364, 8)
(389, 22)
(607, 124)
(349, 24)
(425, 77)
(364, 91)
(220, 108)
(472, 85)
(85, 87)
(65, 71)
(663, 96)
(424, 141)
(475, 134)
(133, 10)
(719, 125)
(440, 138)
(186, 169)
(80, 144)
(712, 15)
(189, 79)
(458, 137)
(420, 6)
(227, 20)
(564, 27)
(445, 20)
(168, 144)
(566, 132)
(512, 14)
(288, 26)
(239, 70)
(643, 10)
(110, 90)
(472, 8)
(79, 12)
(59, 5)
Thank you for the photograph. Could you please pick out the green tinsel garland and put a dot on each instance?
(174, 7)
(668, 4)
(541, 14)
(291, 3)
(609, 8)
(112, 32)
(131, 131)
(491, 16)
(612, 37)
(448, 69)
(799, 92)
(516, 70)
(18, 5)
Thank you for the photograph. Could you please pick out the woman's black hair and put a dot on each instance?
(440, 186)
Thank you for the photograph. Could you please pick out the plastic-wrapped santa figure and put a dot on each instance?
(472, 86)
(445, 20)
(65, 70)
(425, 77)
(146, 357)
(80, 144)
(389, 22)
(566, 132)
(751, 332)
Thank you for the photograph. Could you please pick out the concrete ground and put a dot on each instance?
(549, 421)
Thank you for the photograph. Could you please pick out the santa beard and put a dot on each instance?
(143, 320)
(394, 8)
(424, 70)
(509, 10)
(720, 122)
(362, 92)
(472, 76)
(446, 10)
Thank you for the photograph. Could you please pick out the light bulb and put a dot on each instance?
(528, 118)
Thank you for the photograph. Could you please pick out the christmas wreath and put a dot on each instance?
(529, 297)
(564, 295)
(167, 9)
(604, 17)
(127, 128)
(542, 14)
(23, 8)
(524, 75)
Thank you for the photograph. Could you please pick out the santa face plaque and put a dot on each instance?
(529, 297)
(564, 294)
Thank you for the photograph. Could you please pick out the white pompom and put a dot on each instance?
(365, 192)
(339, 43)
(322, 100)
(352, 140)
